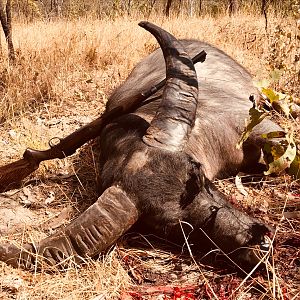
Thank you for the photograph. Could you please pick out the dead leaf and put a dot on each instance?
(292, 214)
(60, 219)
(286, 196)
(279, 101)
(11, 283)
(239, 186)
(50, 198)
(283, 161)
(13, 134)
(27, 197)
(100, 297)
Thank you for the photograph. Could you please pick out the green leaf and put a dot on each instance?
(285, 160)
(271, 94)
(256, 116)
(279, 101)
(295, 167)
(274, 134)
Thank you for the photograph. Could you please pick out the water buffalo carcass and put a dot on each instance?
(157, 163)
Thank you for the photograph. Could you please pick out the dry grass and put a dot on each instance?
(61, 62)
(64, 74)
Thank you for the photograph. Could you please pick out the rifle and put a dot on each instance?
(12, 174)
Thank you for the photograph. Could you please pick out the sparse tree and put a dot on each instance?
(233, 7)
(263, 6)
(128, 7)
(168, 7)
(200, 7)
(56, 6)
(5, 19)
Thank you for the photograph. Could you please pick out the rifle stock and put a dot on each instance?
(12, 174)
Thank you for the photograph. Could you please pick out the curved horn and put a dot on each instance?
(176, 114)
(92, 232)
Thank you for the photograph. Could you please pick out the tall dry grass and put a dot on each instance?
(64, 74)
(63, 61)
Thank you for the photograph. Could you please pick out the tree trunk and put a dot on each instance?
(168, 7)
(263, 6)
(128, 7)
(200, 7)
(233, 7)
(56, 7)
(5, 19)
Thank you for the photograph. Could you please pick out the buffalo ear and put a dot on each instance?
(91, 233)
